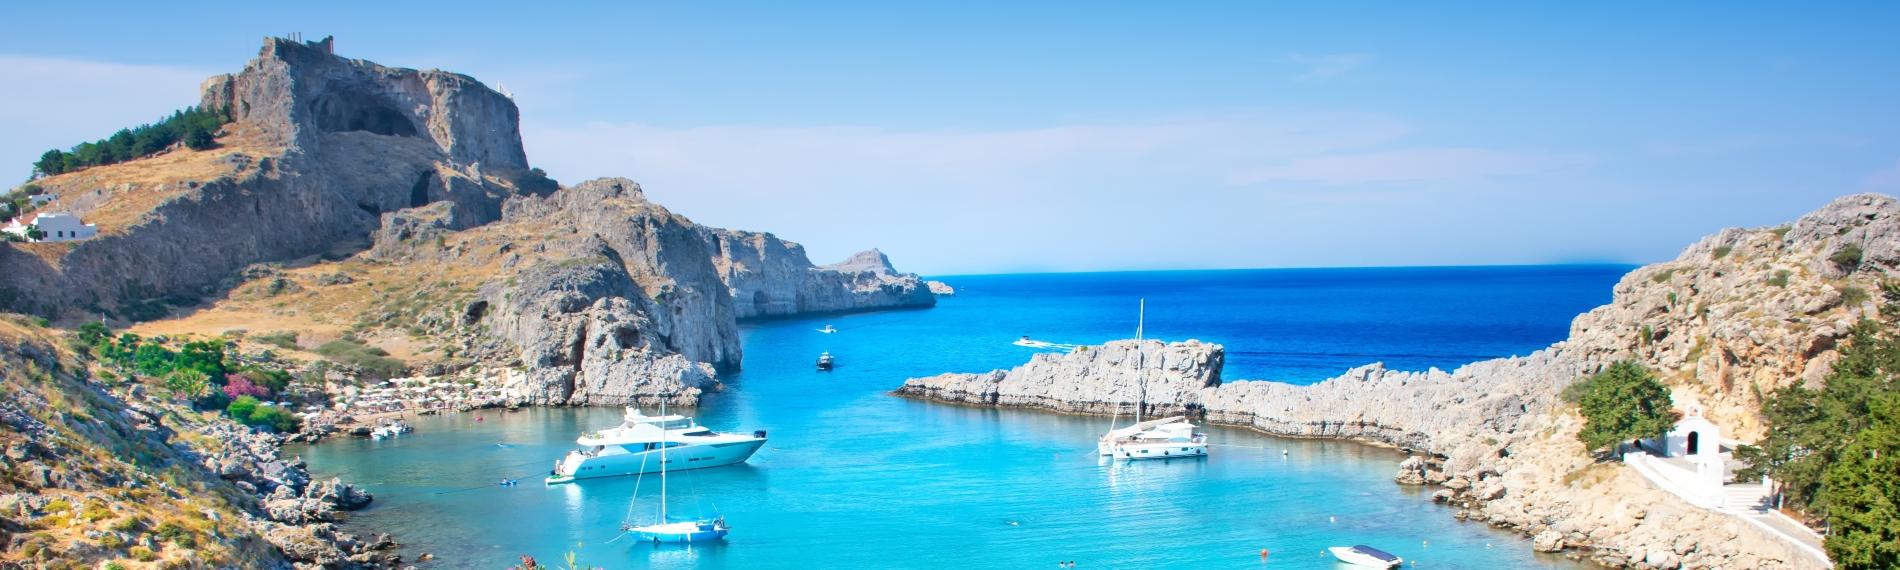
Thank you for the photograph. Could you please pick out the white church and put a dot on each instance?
(55, 226)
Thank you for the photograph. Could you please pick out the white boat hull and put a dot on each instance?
(1157, 450)
(633, 463)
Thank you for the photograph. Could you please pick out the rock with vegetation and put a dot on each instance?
(319, 147)
(110, 472)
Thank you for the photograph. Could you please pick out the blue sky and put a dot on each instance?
(993, 137)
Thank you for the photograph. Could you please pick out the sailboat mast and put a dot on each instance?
(1141, 379)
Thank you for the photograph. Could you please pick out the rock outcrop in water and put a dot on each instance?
(1745, 309)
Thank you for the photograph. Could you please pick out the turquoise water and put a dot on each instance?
(853, 477)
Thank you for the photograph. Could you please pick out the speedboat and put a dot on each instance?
(828, 329)
(1026, 341)
(639, 445)
(1362, 555)
(1164, 438)
(824, 361)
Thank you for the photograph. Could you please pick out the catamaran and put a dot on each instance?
(625, 449)
(1164, 438)
(698, 529)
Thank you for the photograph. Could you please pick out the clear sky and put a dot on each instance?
(992, 137)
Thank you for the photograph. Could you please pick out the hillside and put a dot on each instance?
(100, 470)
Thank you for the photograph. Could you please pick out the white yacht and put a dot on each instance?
(635, 446)
(1154, 439)
(828, 329)
(1165, 438)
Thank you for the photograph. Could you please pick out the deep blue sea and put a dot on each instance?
(855, 478)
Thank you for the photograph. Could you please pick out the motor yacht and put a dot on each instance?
(824, 361)
(635, 446)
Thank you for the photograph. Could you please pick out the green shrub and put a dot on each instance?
(1780, 278)
(1721, 252)
(281, 339)
(249, 411)
(1622, 403)
(1851, 295)
(193, 126)
(1848, 257)
(142, 554)
(1664, 275)
(374, 362)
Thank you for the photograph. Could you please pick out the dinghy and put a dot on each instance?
(1362, 555)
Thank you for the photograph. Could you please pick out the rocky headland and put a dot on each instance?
(1740, 311)
(397, 208)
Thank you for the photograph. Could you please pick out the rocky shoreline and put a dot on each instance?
(1478, 433)
(1740, 313)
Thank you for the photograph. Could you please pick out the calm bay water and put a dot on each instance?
(853, 477)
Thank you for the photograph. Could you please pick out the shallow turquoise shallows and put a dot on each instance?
(855, 478)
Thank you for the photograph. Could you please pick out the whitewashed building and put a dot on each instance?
(57, 227)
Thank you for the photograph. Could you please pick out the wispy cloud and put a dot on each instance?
(977, 199)
(1409, 165)
(1324, 66)
(1723, 146)
(58, 102)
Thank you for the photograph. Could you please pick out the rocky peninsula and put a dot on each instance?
(1741, 311)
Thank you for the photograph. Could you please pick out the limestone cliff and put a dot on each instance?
(771, 277)
(1742, 309)
(320, 146)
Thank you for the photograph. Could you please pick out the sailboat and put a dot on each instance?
(685, 530)
(1163, 438)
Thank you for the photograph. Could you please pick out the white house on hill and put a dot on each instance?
(56, 226)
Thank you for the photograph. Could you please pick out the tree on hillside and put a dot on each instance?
(1863, 493)
(1621, 403)
(1835, 450)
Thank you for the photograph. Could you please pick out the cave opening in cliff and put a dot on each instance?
(419, 193)
(346, 111)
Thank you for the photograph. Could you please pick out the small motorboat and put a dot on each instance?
(824, 361)
(828, 329)
(1031, 343)
(1362, 555)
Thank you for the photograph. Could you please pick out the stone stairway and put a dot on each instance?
(1745, 498)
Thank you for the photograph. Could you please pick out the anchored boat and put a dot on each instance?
(640, 445)
(824, 361)
(1165, 438)
(667, 530)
